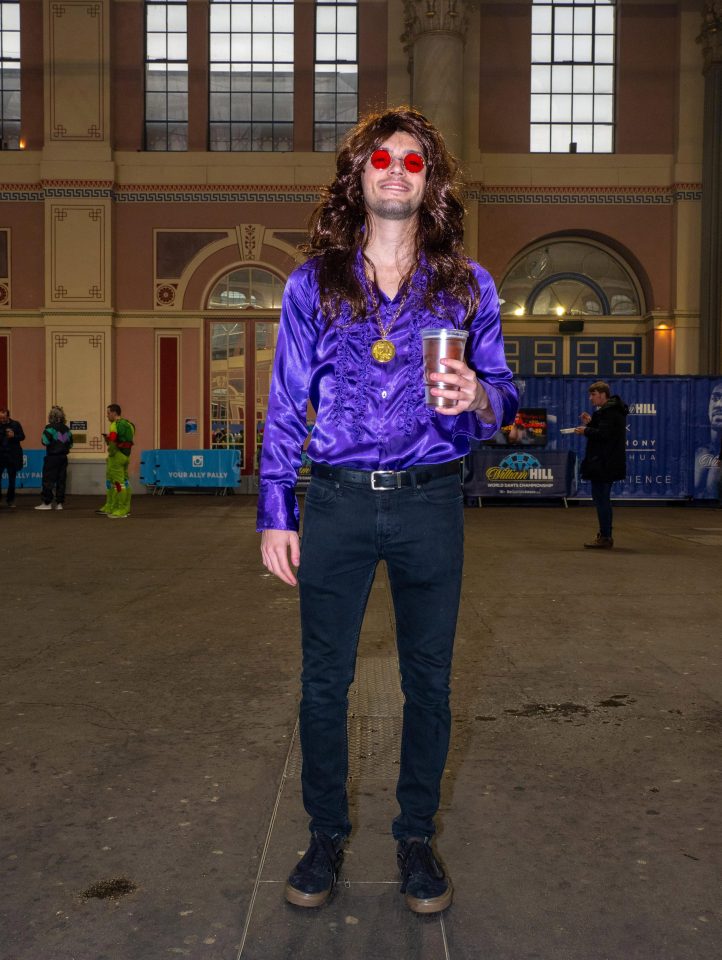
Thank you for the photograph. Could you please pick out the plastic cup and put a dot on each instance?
(441, 344)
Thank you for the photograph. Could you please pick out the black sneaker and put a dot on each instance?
(423, 881)
(315, 875)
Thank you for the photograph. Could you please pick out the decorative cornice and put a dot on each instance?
(577, 196)
(711, 34)
(238, 193)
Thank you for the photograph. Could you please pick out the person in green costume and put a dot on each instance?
(119, 440)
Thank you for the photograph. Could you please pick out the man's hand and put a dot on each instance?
(465, 389)
(276, 545)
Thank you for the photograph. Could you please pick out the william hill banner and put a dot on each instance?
(674, 429)
(501, 472)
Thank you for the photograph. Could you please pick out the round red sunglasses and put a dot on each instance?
(381, 160)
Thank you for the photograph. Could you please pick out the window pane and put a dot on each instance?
(325, 20)
(603, 79)
(563, 20)
(541, 19)
(584, 79)
(563, 48)
(582, 135)
(177, 17)
(603, 139)
(346, 48)
(347, 20)
(604, 50)
(540, 79)
(604, 19)
(541, 49)
(582, 20)
(604, 109)
(582, 49)
(583, 108)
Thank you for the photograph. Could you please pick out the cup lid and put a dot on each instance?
(450, 333)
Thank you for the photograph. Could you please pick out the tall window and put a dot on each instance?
(166, 75)
(10, 75)
(572, 76)
(335, 72)
(251, 75)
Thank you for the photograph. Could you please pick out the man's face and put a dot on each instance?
(715, 406)
(4, 416)
(112, 416)
(597, 398)
(394, 193)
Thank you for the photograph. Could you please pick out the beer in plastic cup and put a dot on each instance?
(441, 344)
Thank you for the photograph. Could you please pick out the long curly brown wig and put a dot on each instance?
(337, 225)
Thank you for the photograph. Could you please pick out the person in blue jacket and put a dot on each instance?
(57, 440)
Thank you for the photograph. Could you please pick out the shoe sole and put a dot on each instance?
(300, 899)
(431, 904)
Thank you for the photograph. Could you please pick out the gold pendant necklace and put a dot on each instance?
(383, 349)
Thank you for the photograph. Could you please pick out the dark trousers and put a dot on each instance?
(602, 497)
(11, 471)
(55, 471)
(347, 530)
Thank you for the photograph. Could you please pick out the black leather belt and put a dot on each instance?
(387, 479)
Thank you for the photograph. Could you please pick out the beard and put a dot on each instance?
(393, 208)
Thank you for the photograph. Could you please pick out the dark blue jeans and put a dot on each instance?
(601, 495)
(419, 533)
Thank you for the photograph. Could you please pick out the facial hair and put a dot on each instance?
(392, 208)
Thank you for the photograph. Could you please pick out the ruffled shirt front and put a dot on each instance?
(369, 415)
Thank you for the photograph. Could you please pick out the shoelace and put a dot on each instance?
(321, 852)
(420, 859)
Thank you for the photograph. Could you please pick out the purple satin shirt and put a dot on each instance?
(369, 415)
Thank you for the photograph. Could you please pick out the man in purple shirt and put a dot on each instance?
(386, 261)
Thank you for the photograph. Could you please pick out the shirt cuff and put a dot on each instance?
(277, 507)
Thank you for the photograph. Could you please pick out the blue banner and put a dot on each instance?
(674, 429)
(31, 475)
(190, 468)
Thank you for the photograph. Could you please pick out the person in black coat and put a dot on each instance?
(605, 460)
(11, 453)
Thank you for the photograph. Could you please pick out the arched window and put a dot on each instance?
(247, 288)
(570, 278)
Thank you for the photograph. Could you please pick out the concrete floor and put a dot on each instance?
(149, 682)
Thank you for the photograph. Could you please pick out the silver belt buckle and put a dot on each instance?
(385, 473)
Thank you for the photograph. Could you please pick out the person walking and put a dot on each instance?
(386, 261)
(119, 441)
(605, 459)
(58, 441)
(11, 453)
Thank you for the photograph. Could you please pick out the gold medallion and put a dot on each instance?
(383, 350)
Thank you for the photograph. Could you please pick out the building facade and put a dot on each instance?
(161, 161)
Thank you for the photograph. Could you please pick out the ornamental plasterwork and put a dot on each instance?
(434, 16)
(711, 35)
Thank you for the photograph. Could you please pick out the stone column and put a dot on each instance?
(711, 268)
(434, 38)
